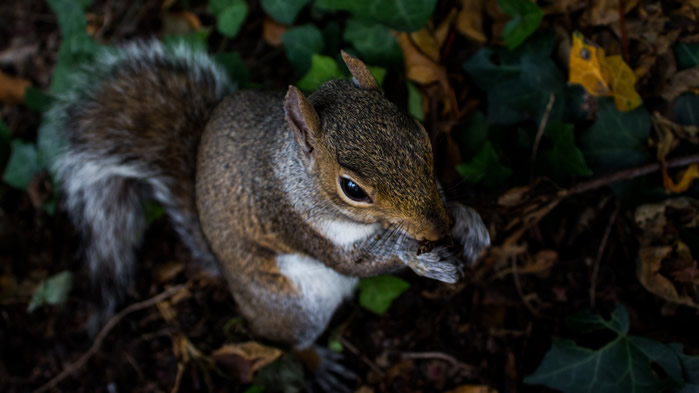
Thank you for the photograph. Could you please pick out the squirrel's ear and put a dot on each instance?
(302, 118)
(360, 73)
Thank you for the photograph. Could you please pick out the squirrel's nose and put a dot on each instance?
(432, 233)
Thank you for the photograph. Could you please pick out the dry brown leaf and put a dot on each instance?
(181, 22)
(688, 133)
(681, 82)
(650, 276)
(12, 89)
(364, 389)
(542, 262)
(470, 20)
(564, 6)
(442, 31)
(273, 31)
(686, 179)
(605, 12)
(418, 67)
(426, 43)
(472, 389)
(244, 359)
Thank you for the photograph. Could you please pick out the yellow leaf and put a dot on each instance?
(427, 44)
(623, 82)
(587, 67)
(602, 75)
(688, 176)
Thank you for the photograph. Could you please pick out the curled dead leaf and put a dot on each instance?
(472, 389)
(605, 12)
(12, 89)
(681, 82)
(469, 21)
(272, 32)
(242, 360)
(649, 271)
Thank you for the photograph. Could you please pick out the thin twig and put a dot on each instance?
(626, 174)
(622, 30)
(542, 127)
(361, 356)
(75, 366)
(470, 370)
(600, 254)
(518, 286)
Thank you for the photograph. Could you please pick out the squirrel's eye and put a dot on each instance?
(353, 191)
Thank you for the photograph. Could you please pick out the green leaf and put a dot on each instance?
(153, 210)
(36, 99)
(525, 19)
(690, 368)
(50, 143)
(323, 69)
(565, 159)
(379, 73)
(71, 16)
(230, 16)
(195, 40)
(53, 290)
(616, 140)
(404, 15)
(254, 389)
(300, 43)
(23, 164)
(234, 66)
(687, 55)
(685, 109)
(587, 321)
(283, 11)
(519, 88)
(4, 134)
(377, 293)
(374, 42)
(335, 346)
(622, 365)
(472, 136)
(485, 167)
(415, 102)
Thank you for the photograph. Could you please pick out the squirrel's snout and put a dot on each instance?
(432, 233)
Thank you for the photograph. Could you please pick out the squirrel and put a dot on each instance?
(291, 197)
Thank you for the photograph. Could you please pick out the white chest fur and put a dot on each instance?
(322, 288)
(344, 233)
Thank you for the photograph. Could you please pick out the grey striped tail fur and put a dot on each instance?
(130, 127)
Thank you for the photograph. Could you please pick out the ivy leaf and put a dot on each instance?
(473, 135)
(234, 66)
(616, 140)
(622, 365)
(565, 159)
(379, 73)
(195, 40)
(486, 167)
(37, 100)
(53, 290)
(403, 15)
(230, 15)
(520, 86)
(587, 321)
(323, 69)
(23, 164)
(526, 17)
(685, 109)
(300, 43)
(377, 293)
(687, 55)
(283, 11)
(374, 42)
(415, 101)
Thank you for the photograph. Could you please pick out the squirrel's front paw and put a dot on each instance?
(439, 263)
(468, 230)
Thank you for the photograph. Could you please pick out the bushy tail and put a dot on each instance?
(131, 125)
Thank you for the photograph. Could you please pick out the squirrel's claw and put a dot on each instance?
(440, 264)
(331, 375)
(468, 230)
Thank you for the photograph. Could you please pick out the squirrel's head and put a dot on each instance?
(373, 162)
